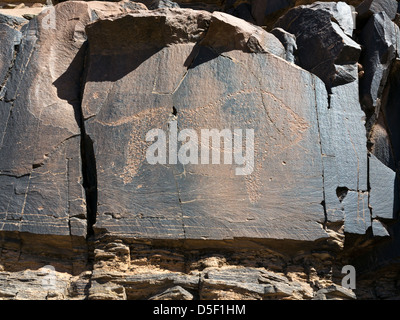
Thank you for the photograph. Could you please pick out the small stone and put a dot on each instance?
(29, 16)
(378, 229)
(174, 293)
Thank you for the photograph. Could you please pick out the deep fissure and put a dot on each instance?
(88, 160)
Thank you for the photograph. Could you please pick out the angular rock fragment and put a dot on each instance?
(41, 284)
(335, 292)
(242, 11)
(357, 213)
(262, 8)
(174, 293)
(342, 13)
(10, 40)
(380, 142)
(380, 39)
(334, 54)
(40, 166)
(384, 135)
(378, 229)
(384, 191)
(289, 42)
(369, 7)
(344, 150)
(151, 5)
(248, 282)
(12, 21)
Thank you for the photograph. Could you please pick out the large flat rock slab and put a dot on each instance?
(150, 79)
(40, 165)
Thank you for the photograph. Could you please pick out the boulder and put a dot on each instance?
(342, 13)
(334, 53)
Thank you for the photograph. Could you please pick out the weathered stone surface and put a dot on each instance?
(260, 9)
(12, 21)
(335, 292)
(369, 7)
(242, 11)
(383, 190)
(41, 178)
(289, 42)
(41, 284)
(185, 201)
(381, 138)
(378, 229)
(384, 134)
(344, 150)
(380, 39)
(332, 49)
(117, 285)
(357, 213)
(267, 12)
(174, 293)
(342, 13)
(40, 166)
(151, 5)
(150, 282)
(227, 33)
(10, 38)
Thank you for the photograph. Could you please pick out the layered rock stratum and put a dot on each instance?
(84, 214)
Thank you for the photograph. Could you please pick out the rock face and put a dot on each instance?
(187, 194)
(370, 7)
(334, 52)
(41, 173)
(114, 182)
(381, 39)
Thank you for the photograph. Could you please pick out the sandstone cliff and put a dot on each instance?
(84, 214)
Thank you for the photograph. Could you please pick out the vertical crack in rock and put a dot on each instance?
(89, 174)
(369, 185)
(323, 202)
